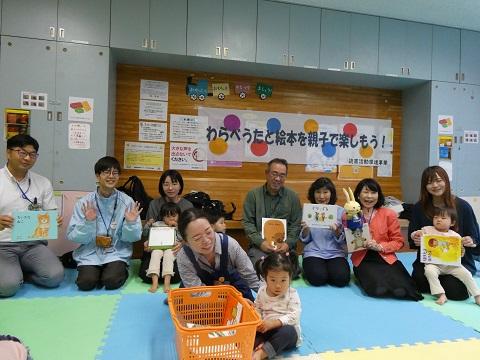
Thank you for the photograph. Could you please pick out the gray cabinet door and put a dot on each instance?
(239, 30)
(418, 50)
(335, 43)
(82, 71)
(272, 33)
(135, 35)
(391, 51)
(204, 28)
(30, 18)
(29, 65)
(86, 21)
(168, 26)
(470, 70)
(446, 54)
(304, 43)
(364, 43)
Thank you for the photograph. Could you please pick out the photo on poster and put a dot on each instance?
(17, 122)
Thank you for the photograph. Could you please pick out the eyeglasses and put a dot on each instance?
(113, 173)
(275, 175)
(23, 154)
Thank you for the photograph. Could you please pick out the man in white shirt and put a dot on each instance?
(22, 189)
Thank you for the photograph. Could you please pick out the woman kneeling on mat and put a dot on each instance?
(210, 258)
(377, 269)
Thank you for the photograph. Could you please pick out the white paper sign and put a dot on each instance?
(470, 137)
(188, 128)
(161, 237)
(79, 136)
(143, 156)
(33, 101)
(153, 90)
(445, 124)
(187, 156)
(385, 170)
(80, 109)
(153, 110)
(152, 131)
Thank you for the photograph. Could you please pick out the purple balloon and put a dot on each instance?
(231, 122)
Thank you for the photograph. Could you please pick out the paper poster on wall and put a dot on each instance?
(349, 172)
(445, 124)
(154, 90)
(143, 156)
(470, 137)
(188, 156)
(153, 110)
(323, 158)
(79, 136)
(80, 109)
(445, 143)
(385, 167)
(448, 167)
(17, 122)
(189, 128)
(152, 131)
(33, 101)
(386, 136)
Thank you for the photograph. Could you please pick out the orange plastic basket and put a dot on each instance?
(205, 306)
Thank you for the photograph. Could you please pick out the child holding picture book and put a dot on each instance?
(444, 219)
(279, 306)
(169, 214)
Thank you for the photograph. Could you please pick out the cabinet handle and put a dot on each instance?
(461, 139)
(61, 33)
(352, 65)
(292, 59)
(402, 70)
(408, 71)
(345, 65)
(456, 76)
(454, 139)
(285, 59)
(217, 50)
(145, 43)
(52, 31)
(463, 76)
(225, 52)
(153, 44)
(49, 116)
(59, 116)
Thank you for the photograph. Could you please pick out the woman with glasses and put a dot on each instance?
(105, 223)
(170, 187)
(211, 258)
(435, 192)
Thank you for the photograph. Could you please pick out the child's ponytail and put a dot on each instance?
(274, 261)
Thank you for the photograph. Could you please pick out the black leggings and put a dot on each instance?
(318, 271)
(111, 275)
(277, 340)
(454, 288)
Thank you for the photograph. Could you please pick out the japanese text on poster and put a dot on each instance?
(143, 156)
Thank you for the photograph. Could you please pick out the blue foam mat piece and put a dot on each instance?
(141, 329)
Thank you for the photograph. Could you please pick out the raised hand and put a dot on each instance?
(89, 210)
(132, 213)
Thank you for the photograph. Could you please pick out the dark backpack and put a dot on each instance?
(199, 199)
(134, 188)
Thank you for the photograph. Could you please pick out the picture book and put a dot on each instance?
(356, 239)
(274, 230)
(319, 215)
(162, 237)
(441, 250)
(34, 225)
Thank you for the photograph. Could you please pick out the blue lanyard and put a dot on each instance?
(24, 193)
(113, 215)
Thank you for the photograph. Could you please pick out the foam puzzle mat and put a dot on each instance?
(337, 324)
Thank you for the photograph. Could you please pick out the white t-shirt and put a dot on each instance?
(11, 197)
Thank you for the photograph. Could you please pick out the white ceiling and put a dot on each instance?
(463, 14)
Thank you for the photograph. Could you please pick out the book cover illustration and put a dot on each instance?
(319, 215)
(441, 250)
(356, 238)
(274, 230)
(34, 225)
(162, 237)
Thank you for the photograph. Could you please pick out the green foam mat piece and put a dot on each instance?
(59, 328)
(467, 312)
